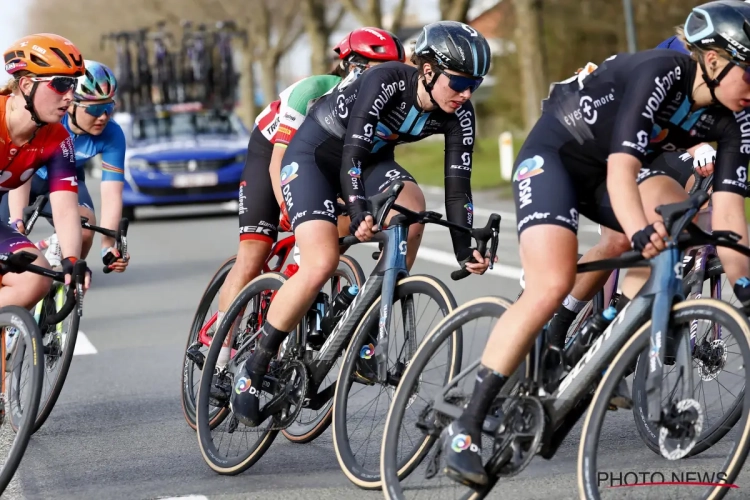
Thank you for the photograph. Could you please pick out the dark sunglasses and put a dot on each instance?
(97, 110)
(59, 84)
(460, 83)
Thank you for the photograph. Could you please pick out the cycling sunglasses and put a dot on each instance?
(460, 83)
(745, 68)
(60, 84)
(97, 110)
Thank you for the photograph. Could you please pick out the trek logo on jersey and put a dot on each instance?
(385, 94)
(663, 84)
(743, 119)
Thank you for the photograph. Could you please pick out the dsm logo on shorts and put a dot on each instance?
(289, 173)
(529, 168)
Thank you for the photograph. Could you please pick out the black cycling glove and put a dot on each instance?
(357, 219)
(642, 238)
(68, 263)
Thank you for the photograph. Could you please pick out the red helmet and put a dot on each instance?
(371, 43)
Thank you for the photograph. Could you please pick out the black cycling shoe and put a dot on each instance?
(244, 401)
(558, 327)
(221, 388)
(463, 457)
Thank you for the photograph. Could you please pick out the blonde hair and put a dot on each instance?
(10, 87)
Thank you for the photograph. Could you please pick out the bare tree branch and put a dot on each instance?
(398, 16)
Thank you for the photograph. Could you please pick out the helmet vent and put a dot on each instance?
(38, 61)
(62, 56)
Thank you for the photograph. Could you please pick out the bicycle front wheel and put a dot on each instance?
(24, 372)
(58, 341)
(361, 401)
(715, 474)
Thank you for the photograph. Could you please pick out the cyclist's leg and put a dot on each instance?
(310, 197)
(378, 178)
(258, 218)
(25, 289)
(547, 214)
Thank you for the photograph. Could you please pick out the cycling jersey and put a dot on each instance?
(584, 121)
(110, 143)
(673, 43)
(275, 125)
(370, 115)
(51, 146)
(281, 119)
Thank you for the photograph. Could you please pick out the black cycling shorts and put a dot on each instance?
(310, 176)
(258, 210)
(553, 186)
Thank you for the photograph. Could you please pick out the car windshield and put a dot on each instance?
(186, 125)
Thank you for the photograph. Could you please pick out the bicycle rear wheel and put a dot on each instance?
(26, 364)
(718, 472)
(204, 313)
(58, 341)
(312, 423)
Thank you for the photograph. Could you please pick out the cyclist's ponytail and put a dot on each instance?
(10, 87)
(339, 70)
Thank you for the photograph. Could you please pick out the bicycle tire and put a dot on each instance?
(66, 358)
(209, 294)
(426, 285)
(29, 332)
(722, 426)
(637, 344)
(389, 467)
(236, 465)
(318, 426)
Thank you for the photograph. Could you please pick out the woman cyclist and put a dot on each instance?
(88, 122)
(599, 129)
(351, 139)
(44, 68)
(260, 189)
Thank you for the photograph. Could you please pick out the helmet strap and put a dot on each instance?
(75, 121)
(30, 105)
(712, 83)
(429, 86)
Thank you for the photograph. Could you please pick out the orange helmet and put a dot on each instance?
(44, 54)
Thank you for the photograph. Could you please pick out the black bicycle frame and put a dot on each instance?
(381, 283)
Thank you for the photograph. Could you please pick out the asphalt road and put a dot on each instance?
(118, 431)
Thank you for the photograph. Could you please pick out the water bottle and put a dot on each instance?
(342, 301)
(591, 329)
(315, 315)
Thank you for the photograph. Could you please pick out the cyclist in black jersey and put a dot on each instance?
(350, 135)
(598, 129)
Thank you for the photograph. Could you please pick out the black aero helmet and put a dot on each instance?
(721, 25)
(455, 46)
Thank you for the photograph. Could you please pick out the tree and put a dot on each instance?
(319, 25)
(372, 13)
(529, 56)
(454, 10)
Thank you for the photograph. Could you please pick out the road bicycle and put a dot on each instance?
(654, 329)
(312, 422)
(225, 75)
(124, 74)
(60, 331)
(362, 339)
(164, 76)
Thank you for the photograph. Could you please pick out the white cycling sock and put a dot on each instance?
(573, 304)
(225, 351)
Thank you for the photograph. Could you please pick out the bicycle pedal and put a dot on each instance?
(196, 356)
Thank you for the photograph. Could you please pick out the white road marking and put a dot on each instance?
(84, 346)
(189, 497)
(510, 216)
(448, 259)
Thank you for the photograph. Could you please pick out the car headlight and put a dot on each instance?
(138, 164)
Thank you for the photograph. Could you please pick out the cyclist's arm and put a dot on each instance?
(18, 199)
(113, 179)
(360, 133)
(459, 147)
(63, 197)
(630, 143)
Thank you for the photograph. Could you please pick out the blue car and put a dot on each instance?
(182, 155)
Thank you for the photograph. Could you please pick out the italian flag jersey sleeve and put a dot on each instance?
(294, 102)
